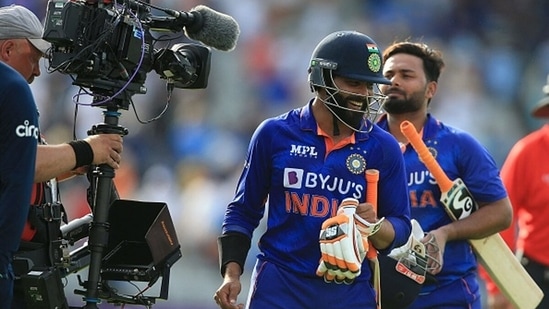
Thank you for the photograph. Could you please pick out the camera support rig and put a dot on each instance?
(102, 196)
(108, 47)
(101, 188)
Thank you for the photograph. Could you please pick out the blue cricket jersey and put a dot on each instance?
(291, 167)
(460, 156)
(18, 142)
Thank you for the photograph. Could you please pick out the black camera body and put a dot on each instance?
(108, 46)
(97, 42)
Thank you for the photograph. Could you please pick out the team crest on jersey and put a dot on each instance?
(433, 151)
(356, 163)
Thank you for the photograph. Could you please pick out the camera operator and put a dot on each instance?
(22, 47)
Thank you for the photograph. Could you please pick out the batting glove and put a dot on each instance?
(342, 246)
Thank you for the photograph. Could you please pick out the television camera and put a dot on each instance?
(108, 47)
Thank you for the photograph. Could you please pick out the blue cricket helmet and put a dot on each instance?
(350, 54)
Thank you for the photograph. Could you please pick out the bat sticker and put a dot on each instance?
(459, 200)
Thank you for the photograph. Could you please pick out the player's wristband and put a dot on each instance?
(233, 247)
(82, 152)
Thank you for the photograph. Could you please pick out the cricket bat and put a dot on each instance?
(372, 178)
(493, 253)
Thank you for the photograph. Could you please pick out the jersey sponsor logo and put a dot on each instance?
(297, 179)
(303, 151)
(293, 178)
(421, 177)
(425, 197)
(27, 130)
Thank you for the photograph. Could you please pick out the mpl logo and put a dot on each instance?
(303, 151)
(293, 178)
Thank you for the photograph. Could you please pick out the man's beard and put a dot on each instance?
(408, 104)
(352, 117)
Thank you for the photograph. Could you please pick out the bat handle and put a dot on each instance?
(408, 129)
(372, 178)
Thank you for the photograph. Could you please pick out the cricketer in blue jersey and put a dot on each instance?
(18, 142)
(299, 167)
(414, 69)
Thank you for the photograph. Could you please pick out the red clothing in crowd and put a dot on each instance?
(525, 174)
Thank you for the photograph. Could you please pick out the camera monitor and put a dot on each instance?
(142, 241)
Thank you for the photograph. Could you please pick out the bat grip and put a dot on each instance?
(409, 131)
(372, 178)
